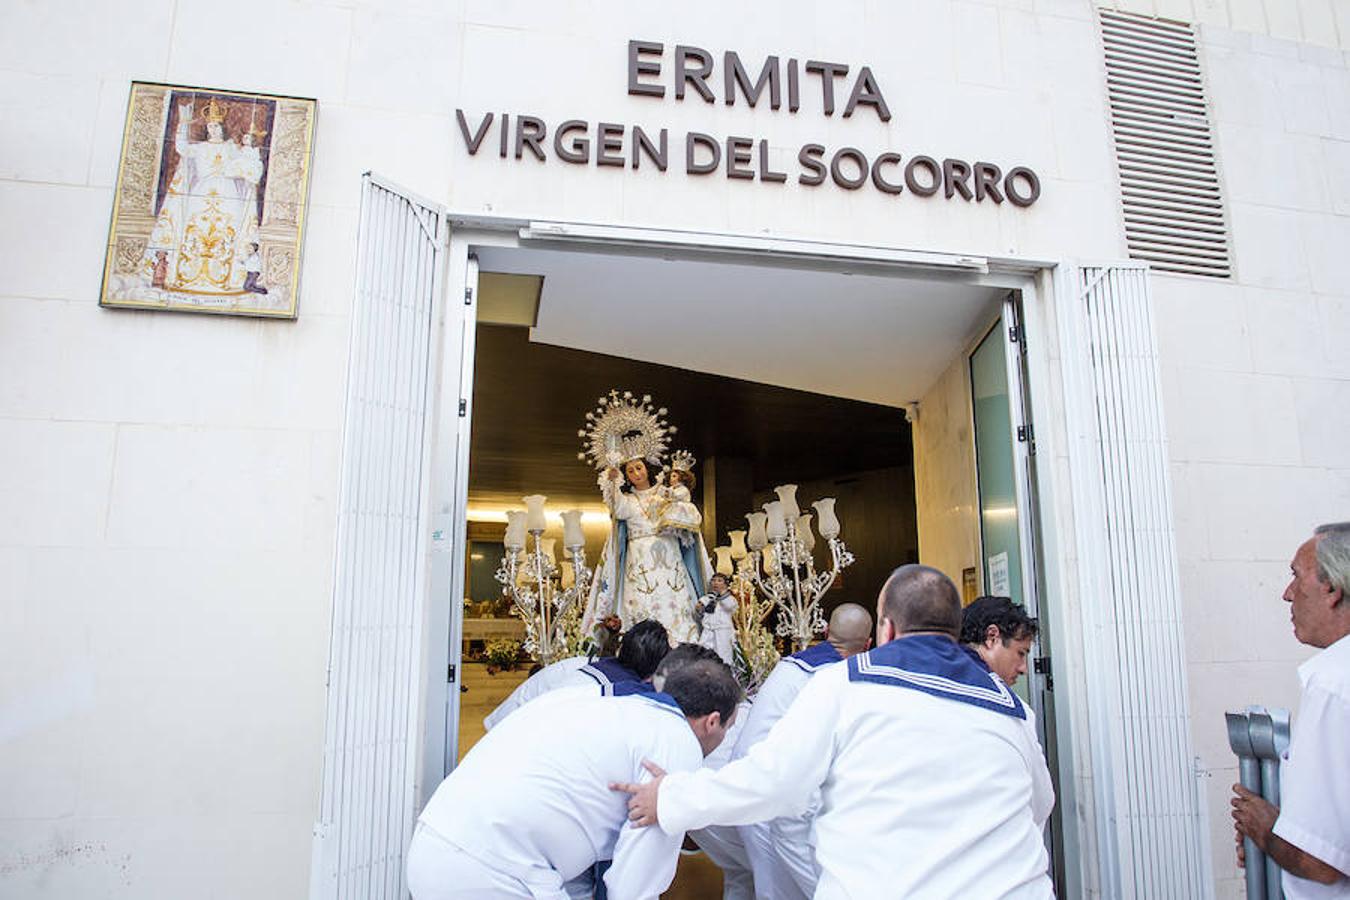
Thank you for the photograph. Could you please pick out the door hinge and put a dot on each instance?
(450, 674)
(463, 408)
(1026, 435)
(468, 296)
(1042, 667)
(1014, 333)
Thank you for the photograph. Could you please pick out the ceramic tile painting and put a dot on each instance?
(210, 204)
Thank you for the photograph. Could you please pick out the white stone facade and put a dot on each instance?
(170, 480)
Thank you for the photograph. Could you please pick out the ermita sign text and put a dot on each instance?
(690, 74)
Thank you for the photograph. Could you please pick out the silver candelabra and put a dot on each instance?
(528, 577)
(781, 562)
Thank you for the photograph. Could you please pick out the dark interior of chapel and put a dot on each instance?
(530, 399)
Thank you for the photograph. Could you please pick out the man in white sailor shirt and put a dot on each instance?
(722, 846)
(1000, 634)
(530, 807)
(1308, 834)
(780, 852)
(640, 651)
(920, 755)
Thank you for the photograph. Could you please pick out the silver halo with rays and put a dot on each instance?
(624, 427)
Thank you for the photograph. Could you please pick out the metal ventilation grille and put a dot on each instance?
(1169, 180)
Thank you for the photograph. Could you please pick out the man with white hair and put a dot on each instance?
(1308, 835)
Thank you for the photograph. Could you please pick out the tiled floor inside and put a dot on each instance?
(696, 878)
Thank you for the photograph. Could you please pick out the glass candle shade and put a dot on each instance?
(515, 530)
(534, 513)
(724, 563)
(776, 528)
(573, 536)
(787, 495)
(738, 550)
(758, 525)
(804, 532)
(825, 518)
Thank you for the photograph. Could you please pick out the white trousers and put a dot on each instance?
(782, 858)
(438, 870)
(723, 845)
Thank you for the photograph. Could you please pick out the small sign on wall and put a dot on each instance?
(1000, 585)
(209, 212)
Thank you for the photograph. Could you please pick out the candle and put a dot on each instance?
(738, 550)
(776, 529)
(826, 520)
(572, 533)
(515, 530)
(804, 533)
(787, 495)
(534, 513)
(757, 538)
(724, 566)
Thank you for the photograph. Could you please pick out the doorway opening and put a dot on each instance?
(865, 383)
(748, 437)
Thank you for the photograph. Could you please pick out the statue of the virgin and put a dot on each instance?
(654, 565)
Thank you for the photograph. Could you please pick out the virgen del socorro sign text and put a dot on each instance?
(689, 74)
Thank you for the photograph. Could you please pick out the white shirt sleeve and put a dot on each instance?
(645, 858)
(1042, 788)
(778, 777)
(524, 692)
(772, 701)
(550, 678)
(1315, 781)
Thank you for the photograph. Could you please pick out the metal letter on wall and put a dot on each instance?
(1149, 841)
(371, 744)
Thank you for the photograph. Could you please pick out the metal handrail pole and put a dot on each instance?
(1249, 773)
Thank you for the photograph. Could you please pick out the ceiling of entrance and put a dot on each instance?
(529, 399)
(878, 339)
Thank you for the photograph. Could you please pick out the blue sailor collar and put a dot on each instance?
(938, 666)
(812, 658)
(661, 699)
(628, 688)
(611, 675)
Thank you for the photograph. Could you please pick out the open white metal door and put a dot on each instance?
(1149, 840)
(372, 743)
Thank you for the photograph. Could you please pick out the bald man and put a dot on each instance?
(780, 853)
(921, 755)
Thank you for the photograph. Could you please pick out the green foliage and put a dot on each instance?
(503, 653)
